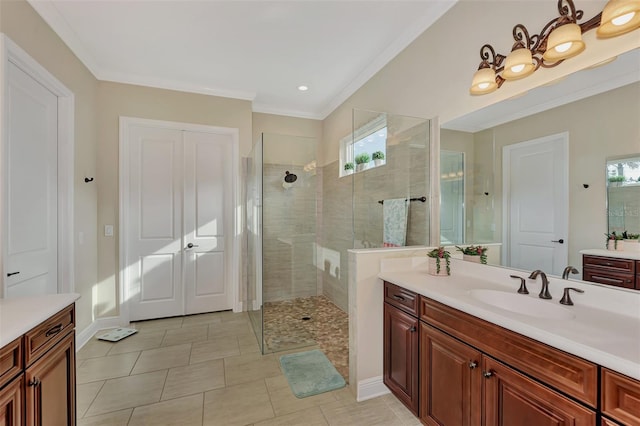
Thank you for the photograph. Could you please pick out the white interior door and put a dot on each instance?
(535, 182)
(30, 187)
(154, 246)
(206, 195)
(177, 222)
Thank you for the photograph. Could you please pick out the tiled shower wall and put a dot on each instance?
(289, 234)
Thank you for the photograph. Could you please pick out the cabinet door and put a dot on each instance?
(51, 383)
(450, 380)
(513, 399)
(11, 403)
(401, 356)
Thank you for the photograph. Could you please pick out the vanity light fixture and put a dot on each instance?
(303, 88)
(559, 39)
(619, 17)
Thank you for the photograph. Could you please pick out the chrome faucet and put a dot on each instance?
(544, 291)
(569, 270)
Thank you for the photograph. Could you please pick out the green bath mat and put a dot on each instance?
(310, 373)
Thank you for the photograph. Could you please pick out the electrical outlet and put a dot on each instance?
(108, 230)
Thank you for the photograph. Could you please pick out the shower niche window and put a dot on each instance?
(365, 148)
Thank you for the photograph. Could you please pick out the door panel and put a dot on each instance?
(206, 198)
(31, 187)
(536, 208)
(155, 223)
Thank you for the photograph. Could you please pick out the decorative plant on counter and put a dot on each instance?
(613, 237)
(475, 251)
(629, 236)
(441, 253)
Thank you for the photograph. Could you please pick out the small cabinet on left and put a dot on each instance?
(37, 374)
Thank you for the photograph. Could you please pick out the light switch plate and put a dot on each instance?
(108, 230)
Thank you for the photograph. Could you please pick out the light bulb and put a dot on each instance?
(517, 68)
(623, 19)
(561, 48)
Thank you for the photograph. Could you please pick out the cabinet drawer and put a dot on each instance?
(43, 337)
(620, 397)
(602, 276)
(609, 263)
(565, 372)
(10, 361)
(405, 300)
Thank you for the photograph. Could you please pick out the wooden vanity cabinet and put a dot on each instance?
(401, 339)
(613, 271)
(450, 380)
(620, 397)
(38, 375)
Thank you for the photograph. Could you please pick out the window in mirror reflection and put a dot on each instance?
(623, 195)
(452, 197)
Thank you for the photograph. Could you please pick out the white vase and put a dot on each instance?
(611, 245)
(471, 258)
(433, 267)
(378, 162)
(348, 172)
(362, 166)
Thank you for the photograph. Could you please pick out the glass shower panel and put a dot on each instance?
(253, 223)
(289, 272)
(402, 179)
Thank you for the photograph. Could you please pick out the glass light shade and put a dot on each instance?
(564, 42)
(519, 64)
(484, 81)
(619, 17)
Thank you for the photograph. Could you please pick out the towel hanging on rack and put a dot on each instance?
(395, 214)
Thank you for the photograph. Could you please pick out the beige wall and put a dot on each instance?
(431, 77)
(116, 100)
(25, 27)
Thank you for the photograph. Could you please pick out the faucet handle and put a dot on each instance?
(566, 299)
(523, 285)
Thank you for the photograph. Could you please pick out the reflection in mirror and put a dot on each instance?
(623, 195)
(511, 147)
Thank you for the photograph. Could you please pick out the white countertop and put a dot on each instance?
(19, 315)
(605, 327)
(622, 254)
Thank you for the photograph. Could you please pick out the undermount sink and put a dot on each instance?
(521, 304)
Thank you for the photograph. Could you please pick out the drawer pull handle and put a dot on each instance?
(12, 273)
(473, 365)
(413, 329)
(395, 296)
(34, 382)
(54, 330)
(487, 374)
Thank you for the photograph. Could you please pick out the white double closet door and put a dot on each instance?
(176, 223)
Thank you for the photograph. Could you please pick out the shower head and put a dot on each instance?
(290, 177)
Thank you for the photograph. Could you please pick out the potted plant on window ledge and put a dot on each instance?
(616, 180)
(348, 168)
(362, 161)
(378, 158)
(473, 253)
(435, 262)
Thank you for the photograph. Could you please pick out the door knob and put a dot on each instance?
(561, 241)
(190, 246)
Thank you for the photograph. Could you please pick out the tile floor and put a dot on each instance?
(207, 370)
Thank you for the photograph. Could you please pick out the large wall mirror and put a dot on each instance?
(528, 172)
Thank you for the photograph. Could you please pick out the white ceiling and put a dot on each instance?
(254, 50)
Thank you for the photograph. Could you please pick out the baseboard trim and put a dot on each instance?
(85, 335)
(371, 388)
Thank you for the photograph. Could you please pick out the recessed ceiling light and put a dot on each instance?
(303, 88)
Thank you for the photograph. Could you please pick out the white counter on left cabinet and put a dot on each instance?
(19, 315)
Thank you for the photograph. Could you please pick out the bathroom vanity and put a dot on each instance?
(37, 360)
(616, 268)
(464, 350)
